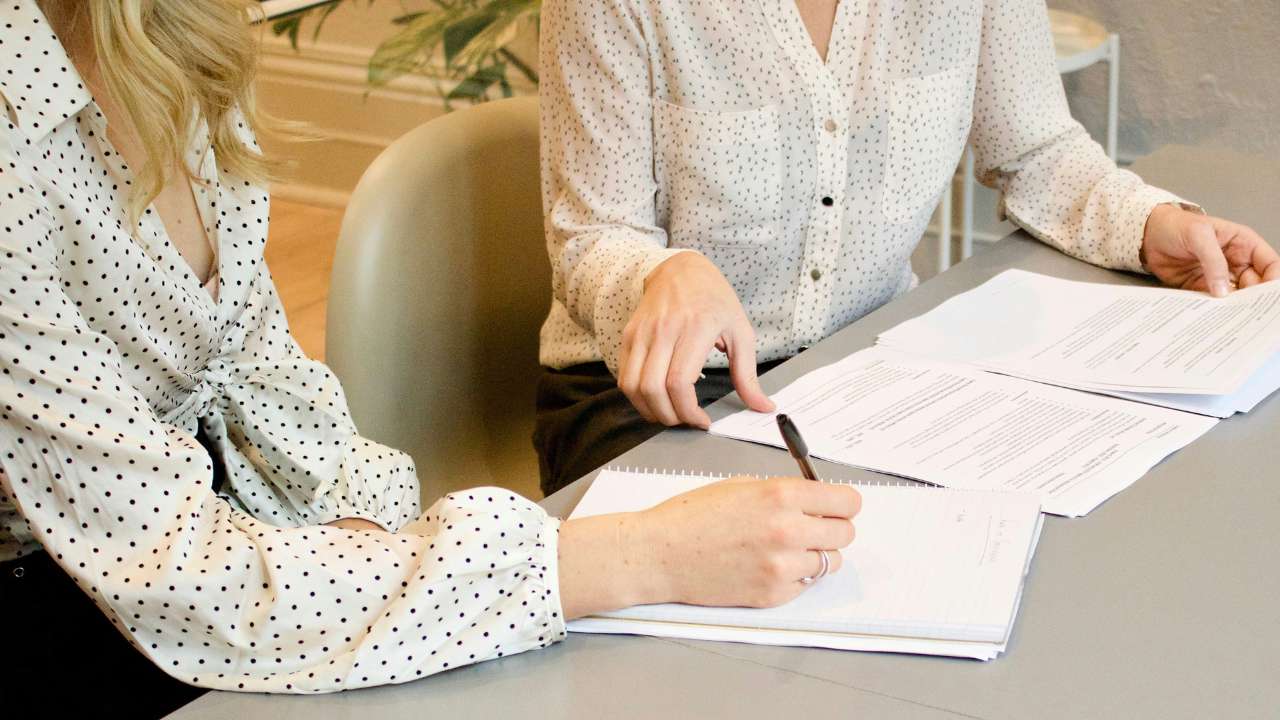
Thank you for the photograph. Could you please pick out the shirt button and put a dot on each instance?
(816, 274)
(828, 201)
(830, 126)
(19, 571)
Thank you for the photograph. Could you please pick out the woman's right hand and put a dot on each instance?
(738, 542)
(687, 309)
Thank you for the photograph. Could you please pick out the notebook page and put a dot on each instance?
(927, 563)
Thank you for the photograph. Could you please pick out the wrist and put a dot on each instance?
(643, 550)
(674, 264)
(1158, 221)
(609, 562)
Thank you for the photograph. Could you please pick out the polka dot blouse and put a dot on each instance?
(715, 127)
(114, 359)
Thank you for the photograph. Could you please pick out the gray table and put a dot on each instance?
(1159, 604)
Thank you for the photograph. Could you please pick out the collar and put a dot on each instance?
(37, 79)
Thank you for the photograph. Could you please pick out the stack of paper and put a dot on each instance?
(954, 425)
(1174, 348)
(932, 571)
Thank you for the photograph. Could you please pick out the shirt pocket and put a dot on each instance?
(722, 173)
(929, 120)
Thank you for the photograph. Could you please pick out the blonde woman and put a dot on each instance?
(183, 498)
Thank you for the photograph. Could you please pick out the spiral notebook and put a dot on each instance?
(932, 571)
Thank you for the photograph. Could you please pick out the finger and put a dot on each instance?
(827, 533)
(653, 381)
(1203, 240)
(1248, 278)
(823, 499)
(1271, 271)
(686, 364)
(1265, 261)
(630, 368)
(741, 348)
(808, 564)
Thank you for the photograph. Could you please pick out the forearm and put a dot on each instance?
(608, 562)
(1070, 195)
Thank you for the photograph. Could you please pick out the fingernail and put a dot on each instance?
(1221, 288)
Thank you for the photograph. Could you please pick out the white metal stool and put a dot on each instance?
(1079, 42)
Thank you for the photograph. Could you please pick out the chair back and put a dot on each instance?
(440, 284)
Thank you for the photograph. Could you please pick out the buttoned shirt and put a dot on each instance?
(126, 387)
(713, 126)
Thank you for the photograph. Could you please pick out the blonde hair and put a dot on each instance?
(169, 62)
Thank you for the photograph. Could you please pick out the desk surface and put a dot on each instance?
(1159, 604)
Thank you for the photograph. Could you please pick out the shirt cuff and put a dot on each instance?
(1133, 224)
(553, 606)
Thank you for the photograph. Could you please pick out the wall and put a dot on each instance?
(1191, 72)
(323, 84)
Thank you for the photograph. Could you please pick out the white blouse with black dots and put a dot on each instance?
(714, 126)
(113, 358)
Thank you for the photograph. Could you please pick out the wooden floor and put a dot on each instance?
(300, 255)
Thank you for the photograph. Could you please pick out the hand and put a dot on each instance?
(1198, 252)
(739, 542)
(687, 309)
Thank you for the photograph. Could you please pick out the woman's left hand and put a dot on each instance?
(1198, 252)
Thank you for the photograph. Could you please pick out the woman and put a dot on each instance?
(730, 182)
(170, 456)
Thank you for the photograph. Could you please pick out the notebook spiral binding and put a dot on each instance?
(639, 470)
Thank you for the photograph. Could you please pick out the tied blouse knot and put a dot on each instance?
(124, 383)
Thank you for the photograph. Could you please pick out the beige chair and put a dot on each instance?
(440, 283)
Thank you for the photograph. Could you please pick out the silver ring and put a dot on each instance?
(822, 572)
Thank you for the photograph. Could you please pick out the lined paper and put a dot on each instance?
(931, 570)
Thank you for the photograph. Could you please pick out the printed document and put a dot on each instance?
(1109, 338)
(954, 425)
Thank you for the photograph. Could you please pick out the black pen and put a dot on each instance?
(796, 446)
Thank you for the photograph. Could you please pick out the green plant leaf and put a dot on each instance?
(471, 37)
(406, 19)
(288, 25)
(409, 47)
(324, 15)
(474, 87)
(460, 34)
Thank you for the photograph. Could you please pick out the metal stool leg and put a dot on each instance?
(966, 206)
(944, 230)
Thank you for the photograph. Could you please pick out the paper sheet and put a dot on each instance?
(931, 571)
(1261, 385)
(1105, 337)
(864, 643)
(957, 426)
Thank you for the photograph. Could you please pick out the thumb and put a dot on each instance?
(741, 348)
(1204, 245)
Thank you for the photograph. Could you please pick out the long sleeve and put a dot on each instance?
(1056, 182)
(289, 447)
(217, 598)
(598, 176)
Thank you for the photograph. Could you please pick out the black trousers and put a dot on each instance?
(584, 420)
(61, 657)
